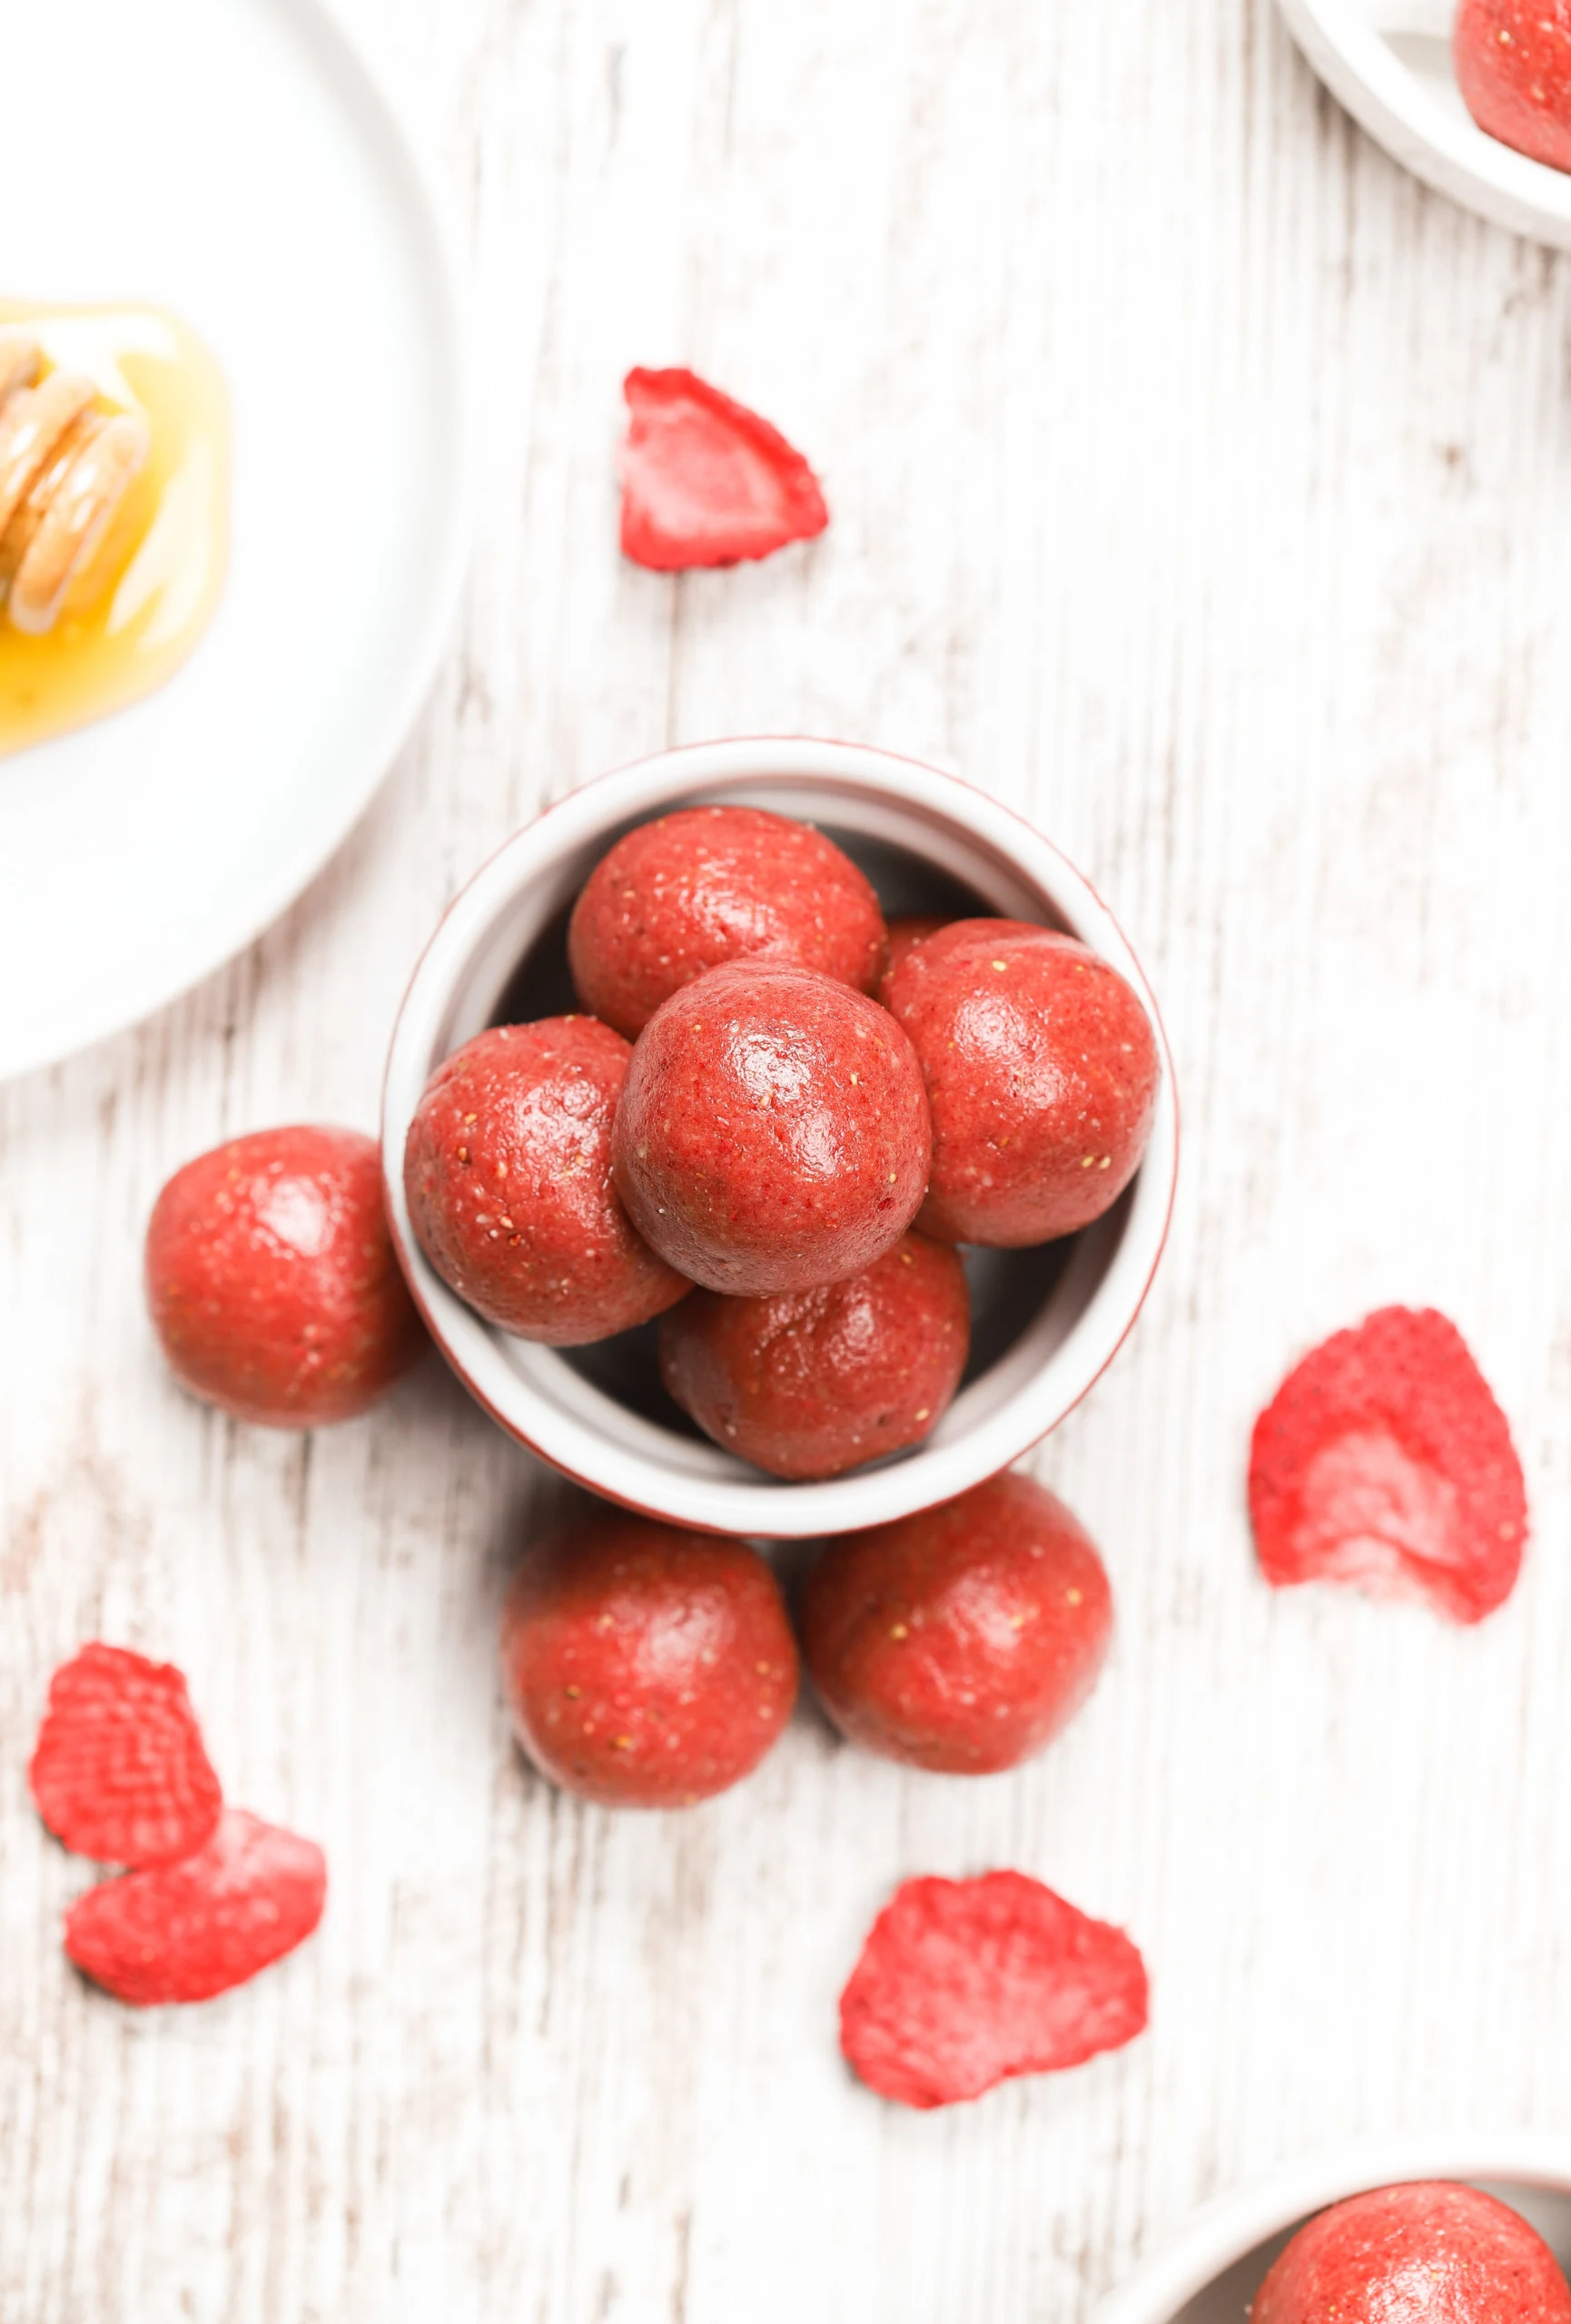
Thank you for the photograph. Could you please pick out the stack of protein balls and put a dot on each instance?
(770, 1128)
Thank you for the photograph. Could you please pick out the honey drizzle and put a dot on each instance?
(134, 615)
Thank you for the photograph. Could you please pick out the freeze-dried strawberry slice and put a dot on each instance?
(184, 1932)
(706, 481)
(964, 1984)
(1383, 1460)
(119, 1772)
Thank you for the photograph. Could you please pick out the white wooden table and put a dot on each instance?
(1203, 487)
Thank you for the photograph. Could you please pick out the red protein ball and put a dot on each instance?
(1383, 1460)
(774, 1132)
(692, 891)
(904, 934)
(507, 1176)
(272, 1280)
(1042, 1071)
(1512, 60)
(119, 1772)
(187, 1931)
(966, 1984)
(1427, 2253)
(963, 1638)
(646, 1667)
(810, 1384)
(706, 481)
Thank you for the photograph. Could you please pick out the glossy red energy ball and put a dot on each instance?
(1427, 2253)
(963, 1638)
(507, 1176)
(712, 885)
(646, 1667)
(773, 1134)
(904, 934)
(810, 1384)
(1512, 60)
(271, 1281)
(1041, 1073)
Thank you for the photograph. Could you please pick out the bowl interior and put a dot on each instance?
(1045, 1322)
(1226, 2299)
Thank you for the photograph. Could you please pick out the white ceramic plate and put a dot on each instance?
(231, 160)
(1390, 61)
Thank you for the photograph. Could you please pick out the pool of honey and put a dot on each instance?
(134, 615)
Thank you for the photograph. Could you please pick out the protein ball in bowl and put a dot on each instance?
(508, 1176)
(772, 1133)
(706, 885)
(810, 1384)
(271, 1281)
(904, 935)
(646, 1667)
(1041, 1073)
(1415, 2254)
(963, 1638)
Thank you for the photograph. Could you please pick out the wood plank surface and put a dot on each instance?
(1203, 487)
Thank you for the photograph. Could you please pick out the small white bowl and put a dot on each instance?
(1390, 61)
(927, 839)
(1213, 2271)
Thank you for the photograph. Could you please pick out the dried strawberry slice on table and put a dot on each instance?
(706, 481)
(184, 1932)
(1383, 1460)
(966, 1984)
(119, 1772)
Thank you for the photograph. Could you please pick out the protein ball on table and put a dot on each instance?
(774, 1131)
(508, 1176)
(712, 885)
(1513, 61)
(1041, 1073)
(1429, 2252)
(809, 1383)
(963, 1638)
(271, 1281)
(646, 1667)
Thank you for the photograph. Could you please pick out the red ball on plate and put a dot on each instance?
(963, 1638)
(646, 1667)
(271, 1281)
(1427, 2253)
(809, 1383)
(508, 1176)
(1512, 60)
(774, 1132)
(692, 891)
(1041, 1073)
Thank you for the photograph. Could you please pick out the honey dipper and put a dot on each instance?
(64, 467)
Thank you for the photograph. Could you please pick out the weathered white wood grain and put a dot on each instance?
(1203, 487)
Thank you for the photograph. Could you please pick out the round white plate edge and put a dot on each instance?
(361, 90)
(1456, 159)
